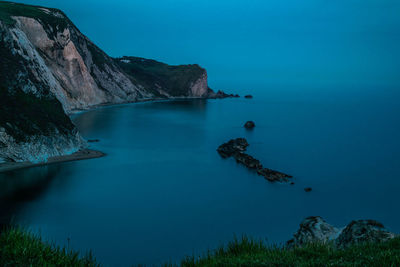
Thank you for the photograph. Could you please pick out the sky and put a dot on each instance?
(252, 42)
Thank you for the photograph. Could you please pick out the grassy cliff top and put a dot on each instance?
(50, 16)
(175, 79)
(20, 248)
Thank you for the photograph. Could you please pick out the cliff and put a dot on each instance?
(48, 68)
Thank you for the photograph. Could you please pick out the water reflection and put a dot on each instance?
(22, 186)
(191, 105)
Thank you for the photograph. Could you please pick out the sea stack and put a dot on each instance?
(249, 125)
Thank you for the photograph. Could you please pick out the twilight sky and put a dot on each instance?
(252, 42)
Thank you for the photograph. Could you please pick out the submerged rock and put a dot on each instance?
(248, 160)
(316, 230)
(249, 125)
(232, 147)
(93, 140)
(248, 96)
(220, 94)
(273, 176)
(308, 189)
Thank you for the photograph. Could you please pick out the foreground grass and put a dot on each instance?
(21, 248)
(247, 252)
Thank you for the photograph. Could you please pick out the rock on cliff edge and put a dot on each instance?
(49, 68)
(316, 230)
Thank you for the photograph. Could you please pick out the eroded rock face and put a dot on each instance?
(33, 125)
(316, 230)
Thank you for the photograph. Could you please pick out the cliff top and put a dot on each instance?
(50, 16)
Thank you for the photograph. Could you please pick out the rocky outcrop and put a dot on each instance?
(236, 147)
(49, 68)
(249, 125)
(363, 231)
(316, 230)
(273, 176)
(33, 125)
(233, 147)
(220, 94)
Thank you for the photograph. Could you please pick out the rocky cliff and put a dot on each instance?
(49, 68)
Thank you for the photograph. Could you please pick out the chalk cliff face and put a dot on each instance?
(49, 68)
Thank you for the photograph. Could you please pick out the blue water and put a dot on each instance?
(163, 192)
(326, 86)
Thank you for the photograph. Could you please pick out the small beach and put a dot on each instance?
(80, 155)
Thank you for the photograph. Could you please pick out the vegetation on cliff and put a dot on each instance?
(44, 15)
(20, 248)
(248, 252)
(175, 80)
(24, 114)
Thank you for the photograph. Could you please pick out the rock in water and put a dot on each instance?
(232, 147)
(316, 230)
(273, 176)
(247, 160)
(248, 96)
(220, 94)
(308, 189)
(249, 125)
(236, 147)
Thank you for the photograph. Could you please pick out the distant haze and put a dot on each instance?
(247, 43)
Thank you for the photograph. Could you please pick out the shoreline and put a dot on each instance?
(105, 105)
(139, 101)
(79, 155)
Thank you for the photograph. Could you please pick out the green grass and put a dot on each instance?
(22, 248)
(9, 9)
(175, 80)
(248, 252)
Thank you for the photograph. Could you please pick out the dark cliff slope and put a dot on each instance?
(30, 115)
(49, 68)
(162, 78)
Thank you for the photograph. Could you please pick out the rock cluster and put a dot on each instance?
(316, 230)
(220, 94)
(236, 147)
(233, 147)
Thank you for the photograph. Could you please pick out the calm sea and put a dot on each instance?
(326, 87)
(163, 192)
